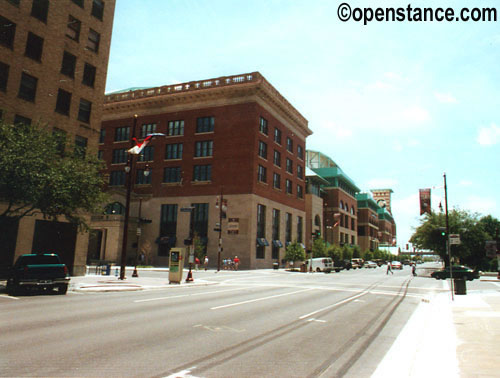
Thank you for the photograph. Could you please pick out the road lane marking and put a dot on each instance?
(160, 298)
(183, 373)
(9, 297)
(333, 305)
(316, 320)
(258, 299)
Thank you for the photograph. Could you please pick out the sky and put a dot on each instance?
(395, 104)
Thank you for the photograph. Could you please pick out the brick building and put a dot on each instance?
(368, 222)
(53, 66)
(233, 136)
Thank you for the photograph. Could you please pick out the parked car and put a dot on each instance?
(356, 263)
(38, 272)
(320, 264)
(457, 271)
(339, 265)
(396, 265)
(370, 264)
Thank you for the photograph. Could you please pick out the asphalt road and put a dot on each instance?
(250, 324)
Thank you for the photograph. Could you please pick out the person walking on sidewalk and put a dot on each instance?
(206, 262)
(236, 262)
(389, 268)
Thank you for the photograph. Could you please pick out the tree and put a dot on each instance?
(347, 253)
(295, 252)
(38, 176)
(473, 234)
(335, 252)
(319, 248)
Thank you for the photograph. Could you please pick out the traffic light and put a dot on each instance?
(316, 234)
(442, 231)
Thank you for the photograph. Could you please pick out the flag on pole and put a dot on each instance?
(139, 146)
(425, 201)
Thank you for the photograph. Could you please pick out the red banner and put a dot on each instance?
(425, 201)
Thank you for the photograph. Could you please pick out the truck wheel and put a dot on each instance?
(62, 289)
(318, 270)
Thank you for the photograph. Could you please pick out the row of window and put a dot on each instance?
(262, 152)
(170, 175)
(264, 129)
(34, 43)
(262, 177)
(40, 8)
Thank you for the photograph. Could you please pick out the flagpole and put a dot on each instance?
(448, 234)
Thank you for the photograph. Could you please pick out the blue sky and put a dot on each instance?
(395, 104)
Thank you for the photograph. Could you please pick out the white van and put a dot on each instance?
(320, 264)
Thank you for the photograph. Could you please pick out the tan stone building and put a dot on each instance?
(235, 137)
(53, 66)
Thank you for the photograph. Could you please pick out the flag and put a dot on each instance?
(425, 201)
(139, 146)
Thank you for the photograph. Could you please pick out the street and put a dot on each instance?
(248, 324)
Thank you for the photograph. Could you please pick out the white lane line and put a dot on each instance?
(333, 305)
(258, 299)
(160, 298)
(217, 291)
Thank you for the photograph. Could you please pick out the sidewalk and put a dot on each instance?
(449, 338)
(102, 283)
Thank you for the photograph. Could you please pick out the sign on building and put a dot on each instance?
(233, 226)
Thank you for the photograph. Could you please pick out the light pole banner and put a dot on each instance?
(425, 201)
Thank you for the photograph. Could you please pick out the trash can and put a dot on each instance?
(108, 269)
(460, 287)
(275, 266)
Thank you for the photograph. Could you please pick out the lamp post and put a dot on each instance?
(139, 231)
(129, 171)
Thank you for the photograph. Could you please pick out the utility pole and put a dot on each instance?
(448, 247)
(220, 229)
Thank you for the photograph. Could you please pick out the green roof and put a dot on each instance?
(384, 214)
(337, 178)
(365, 200)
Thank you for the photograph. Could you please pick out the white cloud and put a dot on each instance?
(445, 98)
(489, 136)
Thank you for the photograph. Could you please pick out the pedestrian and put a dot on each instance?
(236, 262)
(197, 263)
(206, 262)
(414, 269)
(389, 268)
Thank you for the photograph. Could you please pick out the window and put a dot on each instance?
(276, 233)
(288, 228)
(84, 110)
(143, 177)
(261, 229)
(14, 2)
(93, 41)
(276, 181)
(73, 28)
(4, 76)
(78, 2)
(199, 219)
(97, 9)
(277, 158)
(168, 228)
(102, 135)
(148, 128)
(147, 154)
(277, 135)
(203, 148)
(202, 173)
(300, 152)
(172, 174)
(7, 32)
(115, 208)
(263, 126)
(40, 9)
(89, 72)
(289, 144)
(300, 172)
(262, 150)
(262, 174)
(299, 229)
(289, 189)
(80, 146)
(122, 134)
(34, 47)
(68, 64)
(117, 178)
(20, 120)
(100, 154)
(205, 124)
(63, 102)
(173, 151)
(300, 191)
(27, 88)
(175, 128)
(353, 224)
(119, 156)
(289, 165)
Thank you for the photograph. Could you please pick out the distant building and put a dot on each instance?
(53, 66)
(383, 198)
(235, 137)
(368, 222)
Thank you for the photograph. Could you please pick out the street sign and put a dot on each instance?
(491, 248)
(187, 209)
(455, 239)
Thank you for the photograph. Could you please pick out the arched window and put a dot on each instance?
(317, 221)
(341, 205)
(115, 208)
(352, 210)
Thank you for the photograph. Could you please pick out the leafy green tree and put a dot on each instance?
(368, 255)
(347, 253)
(319, 248)
(356, 251)
(335, 252)
(295, 252)
(38, 176)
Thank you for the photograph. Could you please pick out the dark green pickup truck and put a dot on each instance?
(38, 272)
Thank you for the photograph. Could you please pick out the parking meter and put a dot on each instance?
(176, 264)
